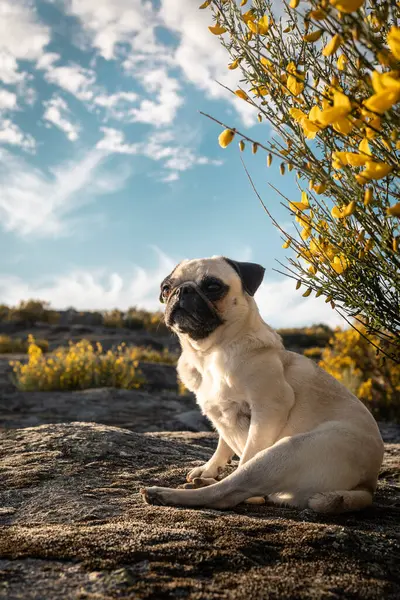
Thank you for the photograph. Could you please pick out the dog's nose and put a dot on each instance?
(185, 295)
(185, 289)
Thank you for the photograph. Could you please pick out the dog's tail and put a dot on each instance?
(340, 501)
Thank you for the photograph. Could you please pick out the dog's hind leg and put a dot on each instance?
(307, 468)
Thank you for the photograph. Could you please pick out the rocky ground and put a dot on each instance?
(73, 524)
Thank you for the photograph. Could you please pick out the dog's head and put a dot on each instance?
(204, 294)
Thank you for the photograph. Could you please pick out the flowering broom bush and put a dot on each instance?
(352, 360)
(326, 77)
(78, 367)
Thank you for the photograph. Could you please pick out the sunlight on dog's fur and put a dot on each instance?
(303, 439)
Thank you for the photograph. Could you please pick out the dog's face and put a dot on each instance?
(204, 294)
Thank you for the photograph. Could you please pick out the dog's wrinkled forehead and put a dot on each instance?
(197, 269)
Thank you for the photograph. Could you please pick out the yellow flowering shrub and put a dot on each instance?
(326, 77)
(9, 345)
(77, 367)
(352, 359)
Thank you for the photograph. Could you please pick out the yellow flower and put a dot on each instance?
(269, 159)
(297, 114)
(368, 196)
(340, 263)
(217, 29)
(383, 101)
(243, 2)
(205, 4)
(248, 16)
(333, 45)
(260, 91)
(364, 147)
(346, 211)
(394, 211)
(294, 3)
(241, 94)
(347, 6)
(341, 108)
(286, 244)
(393, 40)
(313, 36)
(342, 62)
(343, 125)
(241, 145)
(318, 14)
(234, 64)
(261, 27)
(226, 137)
(320, 187)
(375, 170)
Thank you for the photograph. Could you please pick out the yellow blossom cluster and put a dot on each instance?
(327, 80)
(352, 359)
(79, 366)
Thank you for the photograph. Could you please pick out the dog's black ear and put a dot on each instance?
(251, 274)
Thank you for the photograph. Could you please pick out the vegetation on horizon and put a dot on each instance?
(326, 77)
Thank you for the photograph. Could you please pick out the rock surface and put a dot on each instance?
(73, 525)
(133, 409)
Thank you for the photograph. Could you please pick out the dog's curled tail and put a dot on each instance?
(340, 501)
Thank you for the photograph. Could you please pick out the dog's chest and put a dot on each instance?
(220, 397)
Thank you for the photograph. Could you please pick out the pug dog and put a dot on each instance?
(302, 438)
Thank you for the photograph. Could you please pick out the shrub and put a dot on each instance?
(4, 312)
(10, 345)
(33, 311)
(138, 353)
(351, 358)
(314, 353)
(113, 318)
(327, 78)
(78, 367)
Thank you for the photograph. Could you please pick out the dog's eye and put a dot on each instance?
(165, 290)
(213, 287)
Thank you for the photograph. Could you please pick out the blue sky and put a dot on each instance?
(108, 173)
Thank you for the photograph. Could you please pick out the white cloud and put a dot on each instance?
(12, 135)
(111, 23)
(58, 113)
(22, 37)
(74, 79)
(279, 303)
(32, 203)
(114, 100)
(47, 60)
(159, 146)
(8, 100)
(114, 142)
(20, 32)
(161, 111)
(200, 55)
(282, 306)
(94, 290)
(132, 25)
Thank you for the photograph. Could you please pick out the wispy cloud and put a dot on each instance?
(34, 203)
(22, 36)
(58, 113)
(8, 100)
(12, 135)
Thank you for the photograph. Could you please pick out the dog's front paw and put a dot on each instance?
(204, 472)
